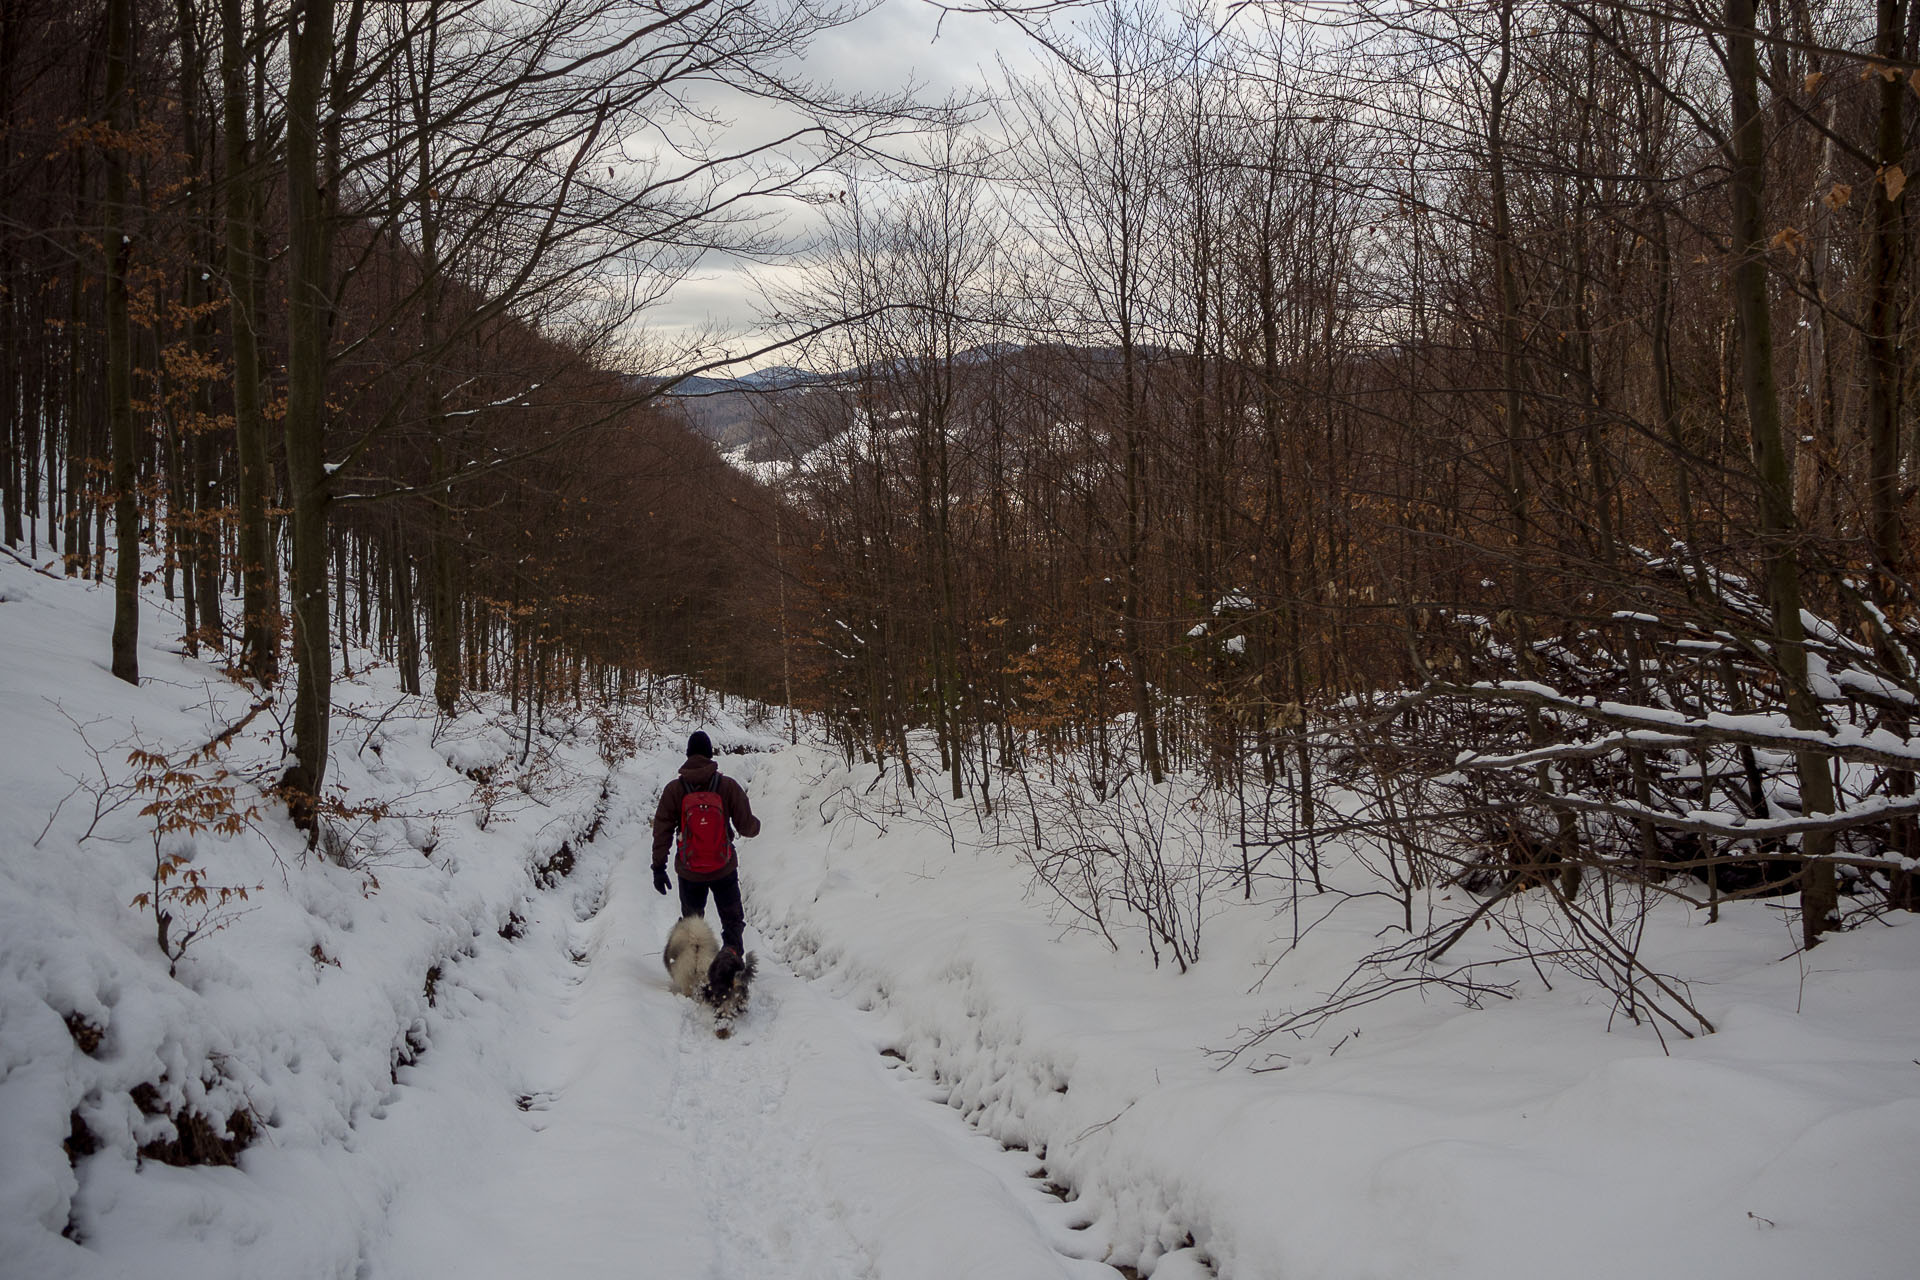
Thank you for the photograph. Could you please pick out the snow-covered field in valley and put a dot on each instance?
(443, 1045)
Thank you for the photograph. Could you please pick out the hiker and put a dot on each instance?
(704, 808)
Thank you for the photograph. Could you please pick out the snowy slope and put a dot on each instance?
(1408, 1138)
(300, 1014)
(938, 1077)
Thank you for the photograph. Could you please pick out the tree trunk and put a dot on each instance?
(310, 44)
(260, 592)
(1881, 335)
(126, 512)
(1779, 530)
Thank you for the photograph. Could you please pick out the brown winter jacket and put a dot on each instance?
(666, 818)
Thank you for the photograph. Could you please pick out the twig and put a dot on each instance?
(1109, 1122)
(368, 740)
(226, 735)
(1506, 892)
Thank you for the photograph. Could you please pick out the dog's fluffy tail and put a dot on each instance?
(691, 948)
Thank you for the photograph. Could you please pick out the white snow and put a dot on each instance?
(932, 1044)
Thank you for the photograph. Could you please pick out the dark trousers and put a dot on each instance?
(726, 899)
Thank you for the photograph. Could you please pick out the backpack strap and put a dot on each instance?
(713, 785)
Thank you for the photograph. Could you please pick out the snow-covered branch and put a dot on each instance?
(1672, 728)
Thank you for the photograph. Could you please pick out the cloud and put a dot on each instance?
(911, 40)
(897, 43)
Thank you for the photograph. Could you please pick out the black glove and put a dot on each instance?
(660, 880)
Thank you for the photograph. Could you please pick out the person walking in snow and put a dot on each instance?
(704, 864)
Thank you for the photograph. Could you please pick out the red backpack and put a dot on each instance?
(704, 847)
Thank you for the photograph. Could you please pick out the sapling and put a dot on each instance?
(185, 803)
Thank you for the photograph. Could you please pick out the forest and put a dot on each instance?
(1499, 413)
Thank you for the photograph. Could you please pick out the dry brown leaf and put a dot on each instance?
(1889, 73)
(1787, 238)
(1815, 77)
(1896, 179)
(1837, 197)
(1914, 80)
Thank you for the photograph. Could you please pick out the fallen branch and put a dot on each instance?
(40, 569)
(226, 735)
(1706, 822)
(1718, 727)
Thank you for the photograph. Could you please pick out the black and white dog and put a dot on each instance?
(698, 967)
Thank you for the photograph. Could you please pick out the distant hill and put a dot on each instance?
(752, 415)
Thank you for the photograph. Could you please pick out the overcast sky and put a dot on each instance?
(899, 41)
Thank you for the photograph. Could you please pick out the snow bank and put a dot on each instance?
(293, 1025)
(1405, 1138)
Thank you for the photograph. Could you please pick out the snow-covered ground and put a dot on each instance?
(464, 1063)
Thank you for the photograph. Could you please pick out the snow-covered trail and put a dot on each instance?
(587, 1122)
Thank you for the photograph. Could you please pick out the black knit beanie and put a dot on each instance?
(700, 744)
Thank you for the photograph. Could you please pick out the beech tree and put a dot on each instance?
(546, 150)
